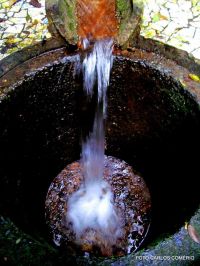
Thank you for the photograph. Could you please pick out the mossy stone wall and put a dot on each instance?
(63, 20)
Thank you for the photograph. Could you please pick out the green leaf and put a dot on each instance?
(195, 2)
(28, 17)
(156, 18)
(150, 33)
(18, 241)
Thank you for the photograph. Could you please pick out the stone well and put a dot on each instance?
(153, 124)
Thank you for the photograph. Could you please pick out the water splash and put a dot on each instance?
(92, 205)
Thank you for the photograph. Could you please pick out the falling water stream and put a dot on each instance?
(96, 70)
(92, 205)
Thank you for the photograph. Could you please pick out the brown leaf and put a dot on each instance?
(2, 20)
(26, 32)
(162, 17)
(193, 234)
(35, 3)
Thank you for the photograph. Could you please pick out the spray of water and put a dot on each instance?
(92, 205)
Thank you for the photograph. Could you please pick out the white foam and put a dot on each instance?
(92, 207)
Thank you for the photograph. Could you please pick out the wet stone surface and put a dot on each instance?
(131, 200)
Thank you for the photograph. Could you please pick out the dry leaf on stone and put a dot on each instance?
(2, 20)
(193, 233)
(194, 77)
(26, 32)
(35, 3)
(162, 17)
(32, 24)
(12, 2)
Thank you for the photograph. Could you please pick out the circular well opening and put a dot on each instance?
(152, 124)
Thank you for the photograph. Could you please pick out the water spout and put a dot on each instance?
(96, 19)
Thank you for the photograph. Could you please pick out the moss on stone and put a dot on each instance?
(67, 11)
(123, 7)
(63, 15)
(129, 15)
(17, 248)
(170, 251)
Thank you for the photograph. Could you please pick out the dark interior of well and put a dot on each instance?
(152, 124)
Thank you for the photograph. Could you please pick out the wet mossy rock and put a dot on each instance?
(129, 15)
(63, 20)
